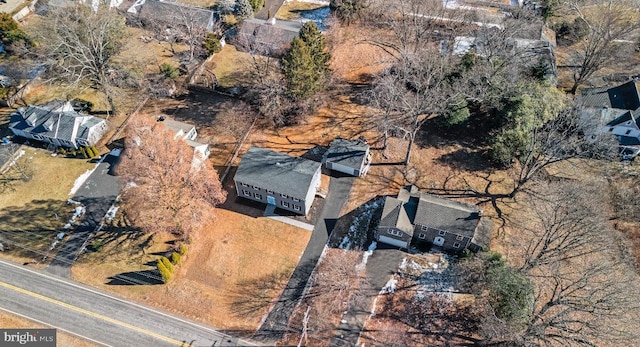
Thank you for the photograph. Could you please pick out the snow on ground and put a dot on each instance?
(366, 255)
(111, 214)
(357, 233)
(82, 178)
(390, 287)
(77, 212)
(115, 152)
(431, 272)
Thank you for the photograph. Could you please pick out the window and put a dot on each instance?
(256, 188)
(296, 207)
(284, 203)
(269, 191)
(611, 129)
(246, 192)
(258, 196)
(36, 136)
(244, 184)
(459, 237)
(394, 232)
(441, 232)
(424, 228)
(296, 199)
(284, 195)
(422, 235)
(628, 132)
(456, 245)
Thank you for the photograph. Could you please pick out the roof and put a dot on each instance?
(260, 36)
(175, 12)
(396, 214)
(276, 171)
(624, 97)
(448, 215)
(54, 120)
(348, 153)
(175, 126)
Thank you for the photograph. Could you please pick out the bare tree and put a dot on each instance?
(167, 191)
(17, 170)
(79, 47)
(613, 27)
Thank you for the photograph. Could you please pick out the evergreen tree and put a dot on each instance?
(313, 38)
(243, 9)
(256, 5)
(299, 70)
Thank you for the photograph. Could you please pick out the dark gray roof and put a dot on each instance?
(624, 97)
(348, 153)
(482, 236)
(395, 215)
(628, 141)
(623, 118)
(276, 171)
(259, 36)
(448, 215)
(54, 120)
(176, 13)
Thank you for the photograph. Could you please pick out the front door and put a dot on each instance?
(438, 241)
(271, 200)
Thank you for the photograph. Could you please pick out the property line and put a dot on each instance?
(92, 314)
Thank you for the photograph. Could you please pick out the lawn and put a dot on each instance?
(232, 67)
(236, 266)
(11, 321)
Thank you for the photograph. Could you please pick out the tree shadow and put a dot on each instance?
(357, 226)
(142, 277)
(253, 297)
(467, 160)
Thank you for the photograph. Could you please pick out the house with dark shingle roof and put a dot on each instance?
(267, 38)
(419, 219)
(175, 13)
(278, 179)
(346, 156)
(57, 123)
(613, 110)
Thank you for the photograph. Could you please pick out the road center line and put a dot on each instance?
(95, 315)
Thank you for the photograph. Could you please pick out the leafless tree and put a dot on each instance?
(613, 28)
(79, 47)
(17, 170)
(167, 190)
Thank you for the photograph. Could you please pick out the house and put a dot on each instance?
(278, 179)
(419, 219)
(174, 13)
(346, 156)
(613, 110)
(58, 124)
(266, 37)
(188, 133)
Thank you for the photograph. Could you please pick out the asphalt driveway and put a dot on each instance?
(274, 326)
(97, 194)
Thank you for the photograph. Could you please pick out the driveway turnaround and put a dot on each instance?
(275, 325)
(97, 194)
(97, 316)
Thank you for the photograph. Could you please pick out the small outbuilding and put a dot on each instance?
(351, 157)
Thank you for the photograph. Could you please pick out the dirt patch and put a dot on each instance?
(8, 320)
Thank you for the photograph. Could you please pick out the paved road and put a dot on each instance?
(274, 326)
(97, 194)
(97, 316)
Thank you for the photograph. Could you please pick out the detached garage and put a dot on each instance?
(347, 156)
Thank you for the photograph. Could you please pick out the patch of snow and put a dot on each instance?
(344, 321)
(78, 212)
(80, 181)
(111, 214)
(366, 255)
(356, 235)
(115, 152)
(345, 243)
(67, 226)
(60, 235)
(71, 201)
(390, 287)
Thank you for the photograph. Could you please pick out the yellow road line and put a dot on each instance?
(95, 315)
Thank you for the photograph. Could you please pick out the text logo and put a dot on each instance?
(28, 337)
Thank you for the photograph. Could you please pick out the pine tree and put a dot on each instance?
(243, 9)
(313, 38)
(300, 71)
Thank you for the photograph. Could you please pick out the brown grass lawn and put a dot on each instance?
(235, 267)
(11, 321)
(28, 214)
(291, 10)
(147, 55)
(232, 67)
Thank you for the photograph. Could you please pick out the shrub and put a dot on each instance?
(212, 43)
(167, 264)
(169, 71)
(72, 153)
(256, 5)
(62, 150)
(89, 151)
(97, 245)
(95, 151)
(83, 153)
(164, 272)
(182, 249)
(176, 258)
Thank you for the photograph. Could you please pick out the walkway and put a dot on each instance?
(269, 212)
(275, 325)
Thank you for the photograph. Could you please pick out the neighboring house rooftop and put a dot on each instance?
(176, 126)
(276, 171)
(624, 97)
(174, 13)
(55, 120)
(350, 153)
(449, 215)
(267, 37)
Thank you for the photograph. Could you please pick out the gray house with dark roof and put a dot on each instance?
(346, 156)
(174, 13)
(268, 38)
(57, 123)
(278, 179)
(613, 110)
(414, 218)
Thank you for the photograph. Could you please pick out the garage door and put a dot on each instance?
(393, 242)
(342, 168)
